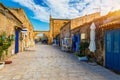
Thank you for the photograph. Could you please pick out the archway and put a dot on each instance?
(45, 34)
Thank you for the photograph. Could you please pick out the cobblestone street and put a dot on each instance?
(49, 63)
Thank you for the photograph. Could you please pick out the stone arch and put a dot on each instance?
(47, 33)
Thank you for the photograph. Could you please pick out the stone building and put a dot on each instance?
(28, 35)
(103, 24)
(13, 21)
(9, 23)
(55, 26)
(108, 39)
(72, 27)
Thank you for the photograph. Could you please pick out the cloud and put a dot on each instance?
(40, 12)
(68, 8)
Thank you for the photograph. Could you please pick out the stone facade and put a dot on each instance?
(55, 26)
(9, 23)
(46, 33)
(99, 23)
(28, 40)
(84, 19)
(74, 24)
(65, 30)
(12, 19)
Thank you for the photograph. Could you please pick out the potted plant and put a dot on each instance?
(5, 43)
(81, 54)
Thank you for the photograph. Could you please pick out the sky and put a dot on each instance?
(39, 11)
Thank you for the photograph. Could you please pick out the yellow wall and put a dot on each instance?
(8, 24)
(84, 19)
(55, 26)
(21, 15)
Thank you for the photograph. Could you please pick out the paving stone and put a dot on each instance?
(16, 77)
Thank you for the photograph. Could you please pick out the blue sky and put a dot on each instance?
(37, 24)
(38, 11)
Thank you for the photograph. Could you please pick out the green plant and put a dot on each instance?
(1, 51)
(82, 46)
(3, 36)
(1, 43)
(5, 43)
(12, 37)
(79, 54)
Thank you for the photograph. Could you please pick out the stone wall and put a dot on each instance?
(55, 26)
(21, 15)
(85, 29)
(99, 37)
(12, 19)
(65, 30)
(84, 19)
(8, 24)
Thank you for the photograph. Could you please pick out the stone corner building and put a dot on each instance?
(55, 26)
(13, 21)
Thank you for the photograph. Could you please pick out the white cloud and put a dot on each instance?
(69, 8)
(40, 12)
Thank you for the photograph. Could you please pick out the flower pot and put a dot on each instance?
(8, 62)
(2, 64)
(84, 58)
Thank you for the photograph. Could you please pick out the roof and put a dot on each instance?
(87, 15)
(57, 18)
(111, 24)
(87, 23)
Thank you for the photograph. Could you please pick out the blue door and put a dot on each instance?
(16, 41)
(74, 43)
(77, 42)
(112, 49)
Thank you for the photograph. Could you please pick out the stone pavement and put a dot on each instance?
(49, 63)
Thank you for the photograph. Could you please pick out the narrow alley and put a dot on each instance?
(49, 63)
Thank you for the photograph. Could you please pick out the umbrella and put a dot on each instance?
(92, 45)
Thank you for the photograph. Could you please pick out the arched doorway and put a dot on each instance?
(44, 39)
(38, 38)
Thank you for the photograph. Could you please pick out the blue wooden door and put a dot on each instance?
(112, 49)
(74, 43)
(16, 41)
(78, 42)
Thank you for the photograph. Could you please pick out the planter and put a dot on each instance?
(8, 62)
(84, 58)
(2, 64)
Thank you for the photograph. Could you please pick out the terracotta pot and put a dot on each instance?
(8, 62)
